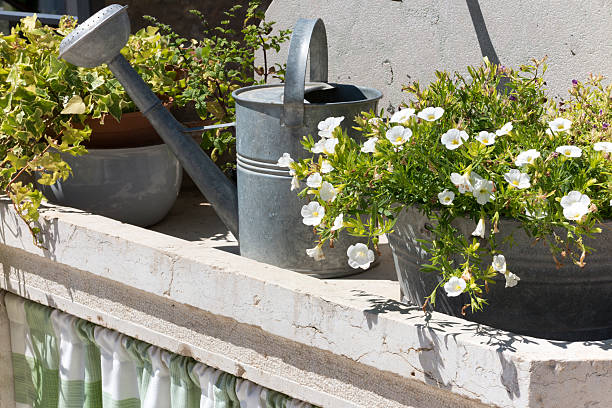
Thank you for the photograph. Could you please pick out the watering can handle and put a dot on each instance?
(308, 34)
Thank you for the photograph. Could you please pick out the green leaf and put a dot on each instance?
(74, 106)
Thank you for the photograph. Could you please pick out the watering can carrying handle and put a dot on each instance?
(308, 34)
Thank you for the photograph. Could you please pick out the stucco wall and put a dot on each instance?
(387, 43)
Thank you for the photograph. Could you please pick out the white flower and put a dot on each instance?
(454, 286)
(338, 222)
(430, 114)
(575, 205)
(485, 138)
(295, 183)
(446, 197)
(402, 115)
(316, 253)
(483, 191)
(526, 157)
(480, 229)
(537, 214)
(465, 183)
(360, 256)
(327, 146)
(499, 263)
(560, 125)
(327, 192)
(504, 129)
(314, 180)
(517, 179)
(397, 135)
(285, 160)
(511, 279)
(569, 151)
(453, 138)
(326, 167)
(605, 147)
(313, 213)
(327, 126)
(370, 145)
(375, 121)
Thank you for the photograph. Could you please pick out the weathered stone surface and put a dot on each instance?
(345, 342)
(385, 44)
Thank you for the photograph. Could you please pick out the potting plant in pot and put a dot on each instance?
(497, 201)
(49, 110)
(55, 112)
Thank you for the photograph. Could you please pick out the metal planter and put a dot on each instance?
(569, 303)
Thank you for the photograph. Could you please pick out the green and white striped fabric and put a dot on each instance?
(65, 362)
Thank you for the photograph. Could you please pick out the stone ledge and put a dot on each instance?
(380, 352)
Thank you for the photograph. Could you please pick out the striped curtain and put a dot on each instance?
(65, 362)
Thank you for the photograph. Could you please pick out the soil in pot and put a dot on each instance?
(569, 303)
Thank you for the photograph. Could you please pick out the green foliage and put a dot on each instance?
(44, 102)
(221, 62)
(373, 187)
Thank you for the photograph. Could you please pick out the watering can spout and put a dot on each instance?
(99, 40)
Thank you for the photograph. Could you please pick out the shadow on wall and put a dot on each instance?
(484, 39)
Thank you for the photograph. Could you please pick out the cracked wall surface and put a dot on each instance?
(386, 44)
(329, 342)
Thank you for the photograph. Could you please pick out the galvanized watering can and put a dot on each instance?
(270, 120)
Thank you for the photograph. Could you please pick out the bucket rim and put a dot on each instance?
(236, 94)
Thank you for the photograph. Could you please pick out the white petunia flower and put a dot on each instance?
(326, 167)
(327, 126)
(285, 160)
(605, 147)
(453, 138)
(560, 125)
(398, 135)
(526, 157)
(370, 145)
(295, 183)
(316, 253)
(517, 179)
(499, 263)
(360, 256)
(507, 128)
(486, 138)
(483, 191)
(480, 230)
(511, 279)
(402, 115)
(338, 222)
(569, 151)
(465, 183)
(537, 214)
(575, 205)
(327, 192)
(327, 146)
(446, 197)
(375, 121)
(430, 114)
(314, 180)
(454, 287)
(313, 213)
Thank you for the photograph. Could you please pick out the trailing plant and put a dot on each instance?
(44, 102)
(221, 62)
(484, 146)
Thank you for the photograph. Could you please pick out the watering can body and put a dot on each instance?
(272, 120)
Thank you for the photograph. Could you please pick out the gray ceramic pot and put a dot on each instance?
(134, 185)
(569, 303)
